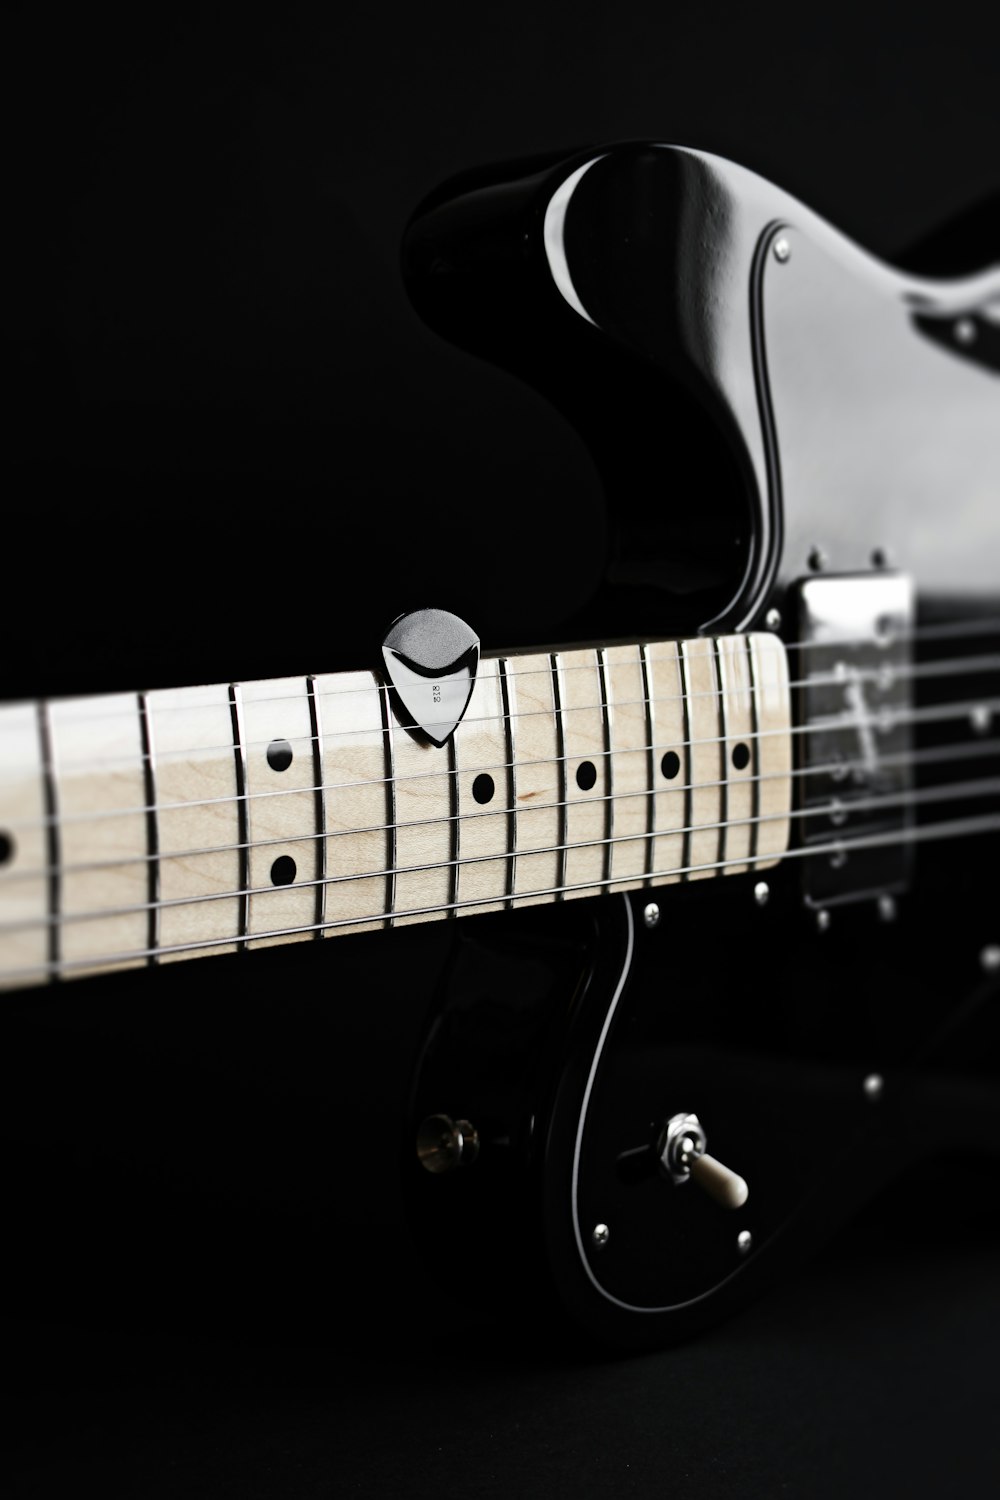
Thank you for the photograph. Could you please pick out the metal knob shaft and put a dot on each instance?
(683, 1157)
(444, 1144)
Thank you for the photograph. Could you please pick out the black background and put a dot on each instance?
(233, 452)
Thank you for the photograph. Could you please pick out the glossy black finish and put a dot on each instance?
(665, 300)
(772, 1060)
(639, 288)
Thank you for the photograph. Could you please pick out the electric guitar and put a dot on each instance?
(736, 952)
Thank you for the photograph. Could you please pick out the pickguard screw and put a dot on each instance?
(817, 559)
(762, 893)
(744, 1242)
(965, 331)
(990, 958)
(782, 249)
(880, 558)
(600, 1236)
(873, 1086)
(822, 920)
(773, 619)
(887, 908)
(651, 915)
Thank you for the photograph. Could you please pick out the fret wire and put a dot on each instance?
(650, 759)
(954, 792)
(390, 799)
(602, 676)
(688, 768)
(242, 812)
(926, 833)
(53, 839)
(321, 823)
(511, 781)
(967, 750)
(152, 825)
(557, 700)
(755, 779)
(456, 822)
(901, 672)
(723, 748)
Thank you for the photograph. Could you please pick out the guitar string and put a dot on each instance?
(883, 721)
(891, 637)
(956, 828)
(932, 755)
(962, 791)
(886, 675)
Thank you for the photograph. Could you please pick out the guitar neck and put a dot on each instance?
(144, 828)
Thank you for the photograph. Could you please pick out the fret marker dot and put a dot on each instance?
(741, 756)
(283, 870)
(483, 788)
(586, 775)
(6, 848)
(670, 764)
(279, 755)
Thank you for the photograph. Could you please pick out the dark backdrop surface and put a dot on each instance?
(233, 451)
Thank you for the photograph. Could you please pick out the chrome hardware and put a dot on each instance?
(773, 620)
(651, 915)
(822, 920)
(990, 958)
(444, 1144)
(744, 1242)
(681, 1148)
(600, 1236)
(782, 250)
(855, 693)
(887, 909)
(430, 659)
(762, 893)
(873, 1086)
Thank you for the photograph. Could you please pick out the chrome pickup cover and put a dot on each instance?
(854, 761)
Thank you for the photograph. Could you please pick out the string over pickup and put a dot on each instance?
(855, 698)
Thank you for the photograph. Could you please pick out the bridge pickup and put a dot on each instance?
(854, 752)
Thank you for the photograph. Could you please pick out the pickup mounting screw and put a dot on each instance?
(762, 893)
(600, 1236)
(965, 331)
(782, 249)
(744, 1242)
(773, 619)
(817, 559)
(651, 915)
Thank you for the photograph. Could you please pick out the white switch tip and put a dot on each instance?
(726, 1187)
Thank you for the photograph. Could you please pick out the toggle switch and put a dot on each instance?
(681, 1148)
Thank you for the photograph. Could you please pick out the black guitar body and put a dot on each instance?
(567, 1037)
(804, 441)
(792, 436)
